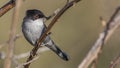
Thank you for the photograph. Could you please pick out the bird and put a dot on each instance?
(33, 27)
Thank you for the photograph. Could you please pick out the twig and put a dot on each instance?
(3, 44)
(10, 52)
(115, 62)
(18, 36)
(103, 21)
(60, 13)
(95, 51)
(23, 55)
(7, 7)
(6, 43)
(21, 65)
(52, 15)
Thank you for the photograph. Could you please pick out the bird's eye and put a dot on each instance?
(36, 16)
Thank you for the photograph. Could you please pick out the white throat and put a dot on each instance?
(38, 22)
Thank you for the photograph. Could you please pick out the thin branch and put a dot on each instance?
(23, 55)
(52, 15)
(103, 22)
(6, 43)
(18, 36)
(95, 51)
(23, 64)
(60, 13)
(3, 44)
(115, 62)
(7, 7)
(10, 53)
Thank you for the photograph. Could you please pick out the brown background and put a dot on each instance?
(75, 32)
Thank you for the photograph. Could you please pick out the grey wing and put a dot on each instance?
(51, 45)
(47, 39)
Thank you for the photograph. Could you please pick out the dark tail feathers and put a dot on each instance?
(59, 52)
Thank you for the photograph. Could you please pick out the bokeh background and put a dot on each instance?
(75, 32)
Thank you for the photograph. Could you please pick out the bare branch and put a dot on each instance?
(95, 51)
(18, 36)
(23, 55)
(103, 21)
(3, 44)
(60, 13)
(52, 15)
(10, 52)
(21, 65)
(115, 62)
(6, 43)
(7, 7)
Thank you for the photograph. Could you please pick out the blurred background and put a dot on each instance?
(75, 32)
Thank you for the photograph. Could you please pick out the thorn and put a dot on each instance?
(74, 4)
(49, 33)
(56, 11)
(103, 21)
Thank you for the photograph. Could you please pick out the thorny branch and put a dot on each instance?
(96, 50)
(3, 44)
(60, 13)
(23, 55)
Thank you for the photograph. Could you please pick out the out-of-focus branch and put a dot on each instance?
(7, 7)
(6, 43)
(10, 51)
(21, 65)
(3, 44)
(115, 62)
(18, 36)
(59, 14)
(23, 55)
(95, 51)
(16, 58)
